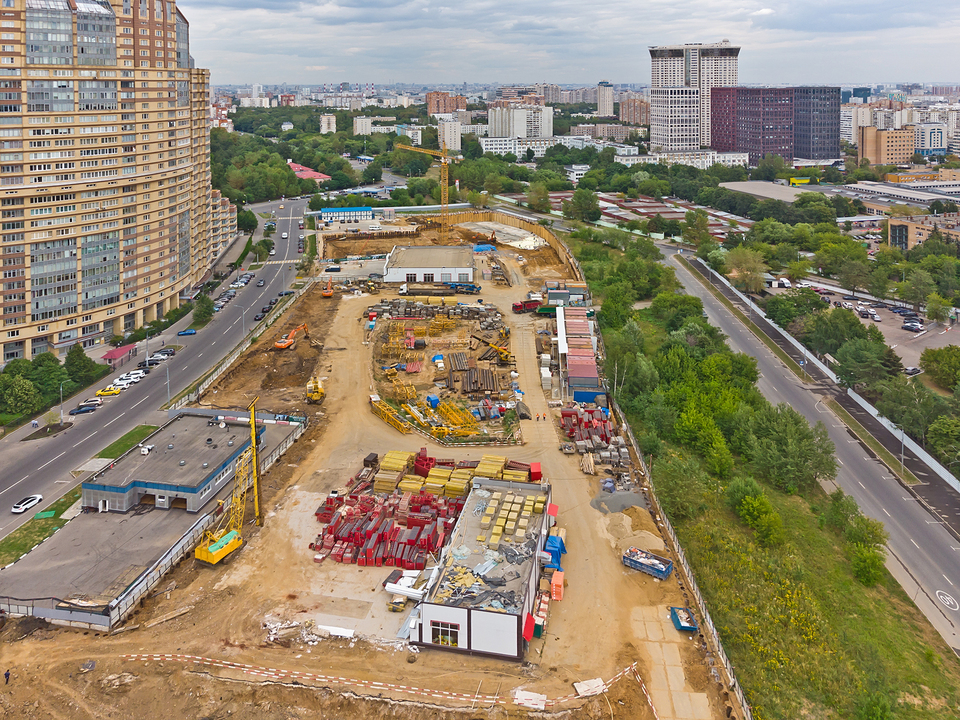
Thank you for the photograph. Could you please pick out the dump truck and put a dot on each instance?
(426, 289)
(315, 392)
(525, 306)
(464, 288)
(647, 562)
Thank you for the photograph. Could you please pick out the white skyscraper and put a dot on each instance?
(604, 99)
(525, 121)
(693, 66)
(448, 134)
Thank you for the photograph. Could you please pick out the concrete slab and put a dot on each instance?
(655, 652)
(700, 704)
(663, 702)
(654, 631)
(656, 679)
(93, 465)
(671, 654)
(682, 709)
(676, 679)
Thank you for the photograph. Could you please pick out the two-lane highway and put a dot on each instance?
(46, 466)
(924, 556)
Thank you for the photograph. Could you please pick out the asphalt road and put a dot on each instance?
(924, 556)
(44, 466)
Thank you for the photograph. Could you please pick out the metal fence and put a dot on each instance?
(908, 442)
(124, 604)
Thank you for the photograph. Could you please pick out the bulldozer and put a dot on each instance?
(372, 288)
(290, 339)
(315, 391)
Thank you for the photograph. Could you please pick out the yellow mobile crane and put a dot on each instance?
(445, 159)
(222, 540)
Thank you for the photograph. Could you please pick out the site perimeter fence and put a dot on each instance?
(127, 601)
(211, 377)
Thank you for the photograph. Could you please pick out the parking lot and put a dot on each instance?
(908, 344)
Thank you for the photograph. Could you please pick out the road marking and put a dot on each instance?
(116, 418)
(861, 485)
(213, 343)
(888, 514)
(50, 461)
(200, 355)
(946, 578)
(14, 485)
(840, 461)
(914, 543)
(86, 438)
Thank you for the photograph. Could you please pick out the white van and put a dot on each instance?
(374, 228)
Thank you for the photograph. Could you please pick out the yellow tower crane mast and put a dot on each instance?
(226, 537)
(445, 160)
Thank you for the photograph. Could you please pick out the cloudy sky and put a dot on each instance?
(567, 41)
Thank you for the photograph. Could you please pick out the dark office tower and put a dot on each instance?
(758, 121)
(816, 123)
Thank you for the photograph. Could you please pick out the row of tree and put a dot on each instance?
(27, 386)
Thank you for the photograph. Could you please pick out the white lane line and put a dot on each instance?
(914, 543)
(888, 514)
(861, 485)
(140, 401)
(840, 461)
(946, 578)
(200, 355)
(14, 485)
(85, 439)
(115, 419)
(50, 461)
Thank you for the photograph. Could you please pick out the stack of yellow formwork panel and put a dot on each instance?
(458, 483)
(518, 476)
(398, 460)
(386, 481)
(491, 466)
(411, 483)
(437, 479)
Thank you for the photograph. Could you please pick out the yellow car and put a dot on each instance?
(109, 390)
(281, 207)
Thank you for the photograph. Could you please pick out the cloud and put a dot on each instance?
(565, 41)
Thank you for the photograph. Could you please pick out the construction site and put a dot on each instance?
(434, 544)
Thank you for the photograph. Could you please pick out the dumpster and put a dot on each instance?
(647, 562)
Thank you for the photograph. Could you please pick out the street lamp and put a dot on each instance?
(61, 402)
(168, 384)
(244, 316)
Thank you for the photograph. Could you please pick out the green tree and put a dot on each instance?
(910, 405)
(943, 439)
(917, 287)
(538, 197)
(582, 206)
(878, 284)
(938, 308)
(798, 270)
(769, 167)
(246, 221)
(746, 268)
(832, 329)
(372, 173)
(81, 368)
(854, 275)
(20, 395)
(867, 565)
(942, 365)
(788, 453)
(202, 309)
(696, 227)
(861, 362)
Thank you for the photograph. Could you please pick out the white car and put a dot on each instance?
(799, 284)
(27, 503)
(158, 357)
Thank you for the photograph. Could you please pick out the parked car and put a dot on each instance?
(260, 283)
(259, 316)
(273, 301)
(148, 363)
(284, 293)
(302, 237)
(93, 401)
(911, 371)
(332, 268)
(83, 409)
(912, 327)
(847, 306)
(876, 318)
(108, 391)
(265, 309)
(166, 351)
(27, 503)
(864, 314)
(850, 297)
(300, 249)
(188, 331)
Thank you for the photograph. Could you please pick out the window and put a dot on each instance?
(428, 277)
(463, 277)
(411, 277)
(442, 633)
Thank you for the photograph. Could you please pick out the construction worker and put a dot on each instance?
(538, 417)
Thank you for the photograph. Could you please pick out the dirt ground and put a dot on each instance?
(214, 660)
(378, 246)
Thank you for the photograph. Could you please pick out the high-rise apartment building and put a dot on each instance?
(441, 103)
(635, 111)
(816, 123)
(695, 67)
(525, 121)
(674, 119)
(328, 124)
(604, 99)
(448, 134)
(107, 209)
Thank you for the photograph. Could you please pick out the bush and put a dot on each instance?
(650, 444)
(769, 530)
(867, 564)
(740, 488)
(875, 706)
(866, 531)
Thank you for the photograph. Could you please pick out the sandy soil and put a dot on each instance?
(611, 618)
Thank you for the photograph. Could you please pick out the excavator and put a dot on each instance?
(289, 340)
(328, 291)
(315, 392)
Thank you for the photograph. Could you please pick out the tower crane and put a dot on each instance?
(226, 537)
(445, 159)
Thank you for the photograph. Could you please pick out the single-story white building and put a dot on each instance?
(344, 214)
(429, 263)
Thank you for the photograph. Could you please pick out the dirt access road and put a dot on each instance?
(610, 618)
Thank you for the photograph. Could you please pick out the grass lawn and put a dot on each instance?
(931, 385)
(197, 325)
(130, 440)
(806, 638)
(22, 540)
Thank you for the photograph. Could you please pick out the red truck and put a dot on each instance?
(526, 306)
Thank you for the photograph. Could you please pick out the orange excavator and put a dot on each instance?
(289, 340)
(328, 292)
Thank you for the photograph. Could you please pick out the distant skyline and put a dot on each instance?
(563, 41)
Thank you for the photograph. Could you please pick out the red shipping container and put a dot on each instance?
(535, 474)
